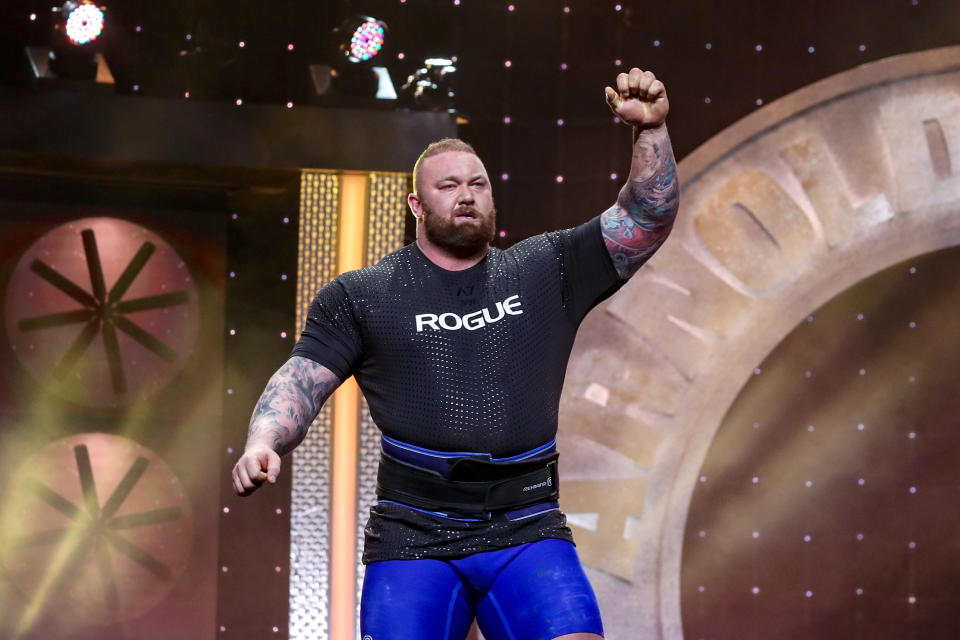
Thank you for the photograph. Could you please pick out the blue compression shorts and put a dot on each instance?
(534, 591)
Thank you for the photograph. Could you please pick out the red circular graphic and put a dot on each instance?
(102, 311)
(96, 529)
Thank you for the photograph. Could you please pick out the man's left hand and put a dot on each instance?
(640, 99)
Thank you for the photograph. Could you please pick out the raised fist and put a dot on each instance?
(639, 99)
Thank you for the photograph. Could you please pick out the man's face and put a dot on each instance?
(457, 202)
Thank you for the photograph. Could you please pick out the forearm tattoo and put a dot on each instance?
(636, 226)
(290, 402)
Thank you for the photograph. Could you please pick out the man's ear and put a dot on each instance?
(416, 207)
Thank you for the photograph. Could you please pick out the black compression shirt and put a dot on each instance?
(470, 360)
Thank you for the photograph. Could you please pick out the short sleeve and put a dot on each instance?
(331, 336)
(589, 274)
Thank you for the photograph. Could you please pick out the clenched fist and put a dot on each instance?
(639, 99)
(258, 464)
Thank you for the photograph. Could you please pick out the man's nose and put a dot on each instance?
(464, 196)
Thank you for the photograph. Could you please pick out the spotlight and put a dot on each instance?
(430, 86)
(83, 21)
(366, 40)
(72, 58)
(352, 74)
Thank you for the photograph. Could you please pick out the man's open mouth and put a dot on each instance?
(467, 213)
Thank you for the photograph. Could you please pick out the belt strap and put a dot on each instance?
(475, 486)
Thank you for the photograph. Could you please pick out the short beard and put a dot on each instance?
(461, 241)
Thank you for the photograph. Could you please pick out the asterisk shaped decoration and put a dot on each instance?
(104, 311)
(95, 526)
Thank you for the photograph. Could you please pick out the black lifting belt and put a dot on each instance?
(476, 486)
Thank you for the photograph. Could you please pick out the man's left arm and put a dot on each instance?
(635, 227)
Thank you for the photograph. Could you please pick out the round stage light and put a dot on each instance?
(430, 86)
(83, 21)
(367, 40)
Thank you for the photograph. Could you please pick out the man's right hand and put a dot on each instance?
(258, 464)
(283, 414)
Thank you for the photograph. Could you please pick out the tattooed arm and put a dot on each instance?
(635, 227)
(280, 420)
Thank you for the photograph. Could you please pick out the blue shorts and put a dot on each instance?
(534, 591)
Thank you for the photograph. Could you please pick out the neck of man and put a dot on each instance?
(448, 259)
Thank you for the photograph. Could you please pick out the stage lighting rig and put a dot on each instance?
(366, 40)
(431, 86)
(82, 21)
(353, 74)
(75, 43)
(73, 57)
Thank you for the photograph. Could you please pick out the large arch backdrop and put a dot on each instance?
(781, 213)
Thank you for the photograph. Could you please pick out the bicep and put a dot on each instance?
(331, 334)
(630, 242)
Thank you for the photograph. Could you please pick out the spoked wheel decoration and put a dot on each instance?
(132, 337)
(90, 560)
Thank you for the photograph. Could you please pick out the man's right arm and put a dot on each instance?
(287, 407)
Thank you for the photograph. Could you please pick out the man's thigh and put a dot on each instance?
(413, 600)
(542, 594)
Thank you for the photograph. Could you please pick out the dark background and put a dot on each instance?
(710, 88)
(824, 506)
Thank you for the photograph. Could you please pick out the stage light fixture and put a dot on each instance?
(430, 86)
(367, 40)
(352, 74)
(83, 21)
(73, 57)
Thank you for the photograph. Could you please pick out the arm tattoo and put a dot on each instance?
(636, 226)
(290, 402)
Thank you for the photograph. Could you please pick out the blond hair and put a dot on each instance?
(436, 148)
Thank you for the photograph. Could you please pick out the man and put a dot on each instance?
(461, 351)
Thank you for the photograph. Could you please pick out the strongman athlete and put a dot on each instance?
(460, 350)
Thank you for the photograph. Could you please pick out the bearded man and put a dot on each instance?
(460, 350)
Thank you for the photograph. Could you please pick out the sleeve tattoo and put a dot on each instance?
(290, 403)
(636, 226)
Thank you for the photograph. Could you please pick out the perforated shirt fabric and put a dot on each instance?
(461, 361)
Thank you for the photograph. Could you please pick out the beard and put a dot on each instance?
(460, 239)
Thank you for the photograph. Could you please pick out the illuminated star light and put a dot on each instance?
(84, 24)
(367, 41)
